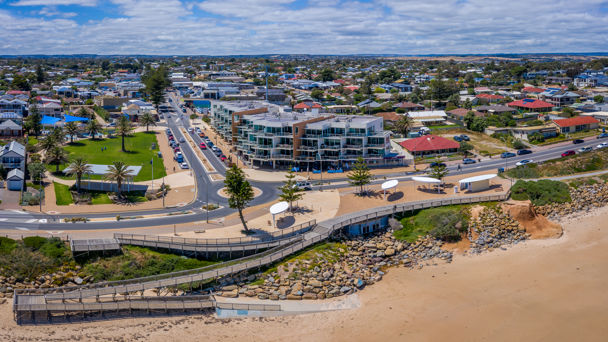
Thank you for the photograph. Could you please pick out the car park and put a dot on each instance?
(184, 165)
(569, 153)
(578, 141)
(602, 145)
(523, 162)
(469, 161)
(585, 149)
(507, 155)
(522, 152)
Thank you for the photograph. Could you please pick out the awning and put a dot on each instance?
(70, 118)
(48, 120)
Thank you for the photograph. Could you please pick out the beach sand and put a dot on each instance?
(541, 290)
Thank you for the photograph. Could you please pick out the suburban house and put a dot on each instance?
(389, 117)
(50, 109)
(460, 113)
(532, 105)
(135, 108)
(487, 98)
(306, 106)
(409, 106)
(558, 80)
(13, 106)
(428, 117)
(110, 103)
(576, 124)
(341, 109)
(14, 180)
(559, 97)
(12, 156)
(10, 129)
(523, 132)
(531, 91)
(496, 109)
(430, 145)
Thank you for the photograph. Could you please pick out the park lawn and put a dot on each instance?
(63, 196)
(136, 196)
(98, 197)
(139, 153)
(419, 223)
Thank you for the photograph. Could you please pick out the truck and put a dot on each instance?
(179, 157)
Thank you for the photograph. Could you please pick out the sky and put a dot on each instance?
(235, 27)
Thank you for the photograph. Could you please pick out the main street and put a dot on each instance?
(207, 189)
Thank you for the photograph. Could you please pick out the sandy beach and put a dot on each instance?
(541, 290)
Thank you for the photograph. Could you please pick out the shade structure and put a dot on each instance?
(425, 179)
(476, 183)
(389, 185)
(48, 120)
(70, 118)
(477, 178)
(278, 208)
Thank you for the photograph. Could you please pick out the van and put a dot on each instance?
(304, 185)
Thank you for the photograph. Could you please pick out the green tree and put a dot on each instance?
(518, 144)
(36, 170)
(598, 99)
(147, 119)
(83, 113)
(33, 121)
(239, 191)
(317, 94)
(327, 75)
(118, 172)
(71, 128)
(93, 128)
(465, 147)
(290, 192)
(20, 82)
(404, 124)
(155, 82)
(439, 170)
(469, 118)
(360, 175)
(56, 155)
(58, 135)
(569, 112)
(124, 128)
(47, 143)
(39, 74)
(79, 167)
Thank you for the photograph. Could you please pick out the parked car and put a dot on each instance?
(570, 153)
(223, 157)
(203, 146)
(215, 148)
(507, 155)
(602, 145)
(578, 141)
(465, 137)
(304, 185)
(523, 162)
(437, 164)
(522, 152)
(585, 149)
(184, 165)
(469, 161)
(218, 152)
(176, 149)
(179, 157)
(201, 134)
(603, 135)
(457, 138)
(190, 130)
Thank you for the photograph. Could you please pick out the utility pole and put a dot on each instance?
(41, 192)
(207, 201)
(152, 162)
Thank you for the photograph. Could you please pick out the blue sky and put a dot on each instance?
(223, 27)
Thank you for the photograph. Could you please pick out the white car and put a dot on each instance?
(523, 162)
(184, 165)
(585, 149)
(602, 145)
(190, 129)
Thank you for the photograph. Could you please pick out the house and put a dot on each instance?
(14, 180)
(523, 132)
(401, 87)
(558, 80)
(495, 109)
(486, 98)
(14, 117)
(13, 106)
(576, 124)
(389, 117)
(430, 145)
(52, 109)
(136, 108)
(341, 109)
(368, 104)
(531, 91)
(559, 97)
(12, 156)
(409, 106)
(110, 103)
(428, 117)
(532, 105)
(9, 128)
(306, 106)
(274, 95)
(600, 116)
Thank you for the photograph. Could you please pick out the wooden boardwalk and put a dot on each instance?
(26, 300)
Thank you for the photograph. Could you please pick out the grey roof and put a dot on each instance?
(14, 147)
(15, 173)
(9, 124)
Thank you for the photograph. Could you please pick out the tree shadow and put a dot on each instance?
(285, 221)
(76, 143)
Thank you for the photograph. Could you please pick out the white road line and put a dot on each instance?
(18, 211)
(31, 221)
(42, 220)
(3, 219)
(22, 228)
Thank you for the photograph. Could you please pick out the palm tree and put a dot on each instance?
(147, 119)
(72, 129)
(124, 128)
(93, 128)
(79, 167)
(404, 124)
(56, 155)
(118, 172)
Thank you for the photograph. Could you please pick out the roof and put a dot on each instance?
(15, 147)
(477, 178)
(48, 120)
(100, 170)
(429, 143)
(15, 173)
(532, 90)
(576, 121)
(408, 105)
(463, 112)
(489, 96)
(10, 124)
(495, 108)
(70, 118)
(425, 179)
(389, 116)
(530, 104)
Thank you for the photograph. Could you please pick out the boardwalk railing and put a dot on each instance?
(321, 232)
(283, 233)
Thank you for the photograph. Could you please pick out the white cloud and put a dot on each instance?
(54, 2)
(317, 27)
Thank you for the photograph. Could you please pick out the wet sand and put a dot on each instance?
(541, 290)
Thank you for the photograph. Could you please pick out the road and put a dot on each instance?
(207, 189)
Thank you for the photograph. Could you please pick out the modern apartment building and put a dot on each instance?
(265, 135)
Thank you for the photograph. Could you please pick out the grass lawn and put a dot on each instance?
(98, 197)
(420, 223)
(571, 136)
(136, 196)
(62, 194)
(139, 153)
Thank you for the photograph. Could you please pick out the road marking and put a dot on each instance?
(31, 221)
(42, 220)
(54, 233)
(22, 228)
(3, 219)
(18, 211)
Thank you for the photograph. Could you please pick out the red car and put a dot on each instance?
(176, 149)
(222, 157)
(201, 134)
(203, 146)
(568, 153)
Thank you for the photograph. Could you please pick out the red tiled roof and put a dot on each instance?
(576, 121)
(530, 103)
(389, 116)
(352, 88)
(532, 90)
(301, 105)
(408, 105)
(489, 96)
(316, 105)
(463, 112)
(429, 143)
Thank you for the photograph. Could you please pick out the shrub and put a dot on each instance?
(541, 192)
(525, 171)
(54, 248)
(34, 242)
(7, 245)
(448, 226)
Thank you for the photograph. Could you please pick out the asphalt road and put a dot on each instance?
(207, 190)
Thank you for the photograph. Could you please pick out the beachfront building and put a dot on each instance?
(265, 135)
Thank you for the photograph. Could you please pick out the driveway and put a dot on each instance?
(10, 199)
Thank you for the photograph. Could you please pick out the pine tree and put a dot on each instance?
(239, 191)
(290, 192)
(360, 174)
